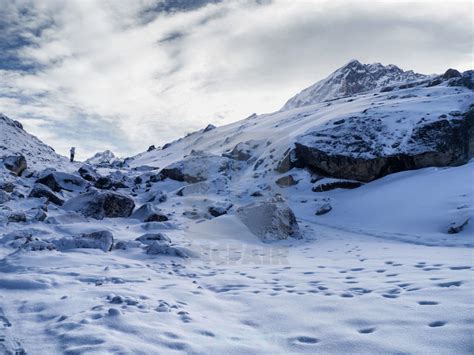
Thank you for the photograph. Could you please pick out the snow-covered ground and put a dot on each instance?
(227, 254)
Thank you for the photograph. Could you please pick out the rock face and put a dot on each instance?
(270, 220)
(100, 205)
(40, 190)
(445, 142)
(58, 181)
(15, 163)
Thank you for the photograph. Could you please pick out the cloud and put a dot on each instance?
(124, 75)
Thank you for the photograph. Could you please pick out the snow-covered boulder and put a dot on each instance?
(148, 213)
(4, 197)
(103, 240)
(40, 190)
(164, 248)
(17, 217)
(150, 238)
(366, 148)
(270, 220)
(219, 208)
(99, 205)
(88, 173)
(198, 166)
(15, 163)
(58, 181)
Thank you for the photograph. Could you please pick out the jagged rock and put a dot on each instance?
(455, 228)
(148, 213)
(242, 151)
(209, 127)
(40, 190)
(16, 217)
(332, 185)
(270, 220)
(439, 143)
(288, 162)
(150, 148)
(150, 238)
(466, 80)
(40, 215)
(286, 181)
(15, 163)
(88, 173)
(326, 208)
(58, 181)
(103, 240)
(100, 205)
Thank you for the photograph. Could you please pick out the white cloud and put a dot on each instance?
(109, 80)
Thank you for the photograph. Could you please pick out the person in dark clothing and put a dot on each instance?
(73, 152)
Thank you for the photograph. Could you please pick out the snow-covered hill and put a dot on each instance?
(228, 240)
(15, 140)
(353, 78)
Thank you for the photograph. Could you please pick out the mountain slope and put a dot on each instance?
(15, 140)
(353, 78)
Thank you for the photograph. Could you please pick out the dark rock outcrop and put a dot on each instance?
(328, 186)
(40, 190)
(439, 143)
(286, 181)
(58, 181)
(100, 205)
(88, 173)
(15, 163)
(148, 213)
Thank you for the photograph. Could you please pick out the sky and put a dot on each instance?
(126, 74)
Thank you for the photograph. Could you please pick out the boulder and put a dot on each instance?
(15, 163)
(150, 238)
(100, 205)
(40, 190)
(345, 152)
(326, 208)
(7, 186)
(286, 181)
(219, 209)
(198, 166)
(58, 181)
(103, 240)
(148, 213)
(209, 127)
(270, 220)
(16, 217)
(242, 151)
(88, 173)
(455, 228)
(451, 73)
(288, 162)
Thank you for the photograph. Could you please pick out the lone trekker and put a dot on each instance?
(72, 151)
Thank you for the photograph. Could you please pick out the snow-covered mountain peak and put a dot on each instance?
(352, 78)
(104, 158)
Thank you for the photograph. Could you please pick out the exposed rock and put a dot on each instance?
(148, 213)
(209, 127)
(242, 151)
(40, 191)
(451, 73)
(16, 217)
(439, 143)
(455, 228)
(88, 173)
(198, 166)
(337, 184)
(150, 238)
(288, 162)
(15, 163)
(286, 181)
(103, 240)
(219, 209)
(99, 205)
(7, 186)
(150, 148)
(40, 215)
(326, 208)
(58, 181)
(270, 220)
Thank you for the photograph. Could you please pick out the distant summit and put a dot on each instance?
(352, 78)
